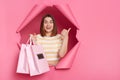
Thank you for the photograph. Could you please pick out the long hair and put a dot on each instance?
(42, 31)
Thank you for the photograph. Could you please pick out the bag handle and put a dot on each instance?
(29, 41)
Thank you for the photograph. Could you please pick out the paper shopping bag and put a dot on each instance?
(36, 60)
(22, 66)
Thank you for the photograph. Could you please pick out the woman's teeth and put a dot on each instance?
(48, 27)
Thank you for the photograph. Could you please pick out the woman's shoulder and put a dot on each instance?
(58, 36)
(39, 36)
(36, 35)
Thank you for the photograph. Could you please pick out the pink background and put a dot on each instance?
(99, 53)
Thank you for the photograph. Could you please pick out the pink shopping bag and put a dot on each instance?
(36, 60)
(22, 66)
(32, 60)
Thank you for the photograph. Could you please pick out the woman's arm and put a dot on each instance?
(64, 47)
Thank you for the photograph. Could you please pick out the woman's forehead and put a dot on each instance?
(48, 19)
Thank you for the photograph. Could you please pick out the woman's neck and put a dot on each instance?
(48, 34)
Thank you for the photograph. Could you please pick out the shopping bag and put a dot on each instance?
(36, 60)
(22, 66)
(32, 60)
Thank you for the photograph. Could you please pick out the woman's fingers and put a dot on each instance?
(69, 29)
(31, 35)
(34, 34)
(65, 31)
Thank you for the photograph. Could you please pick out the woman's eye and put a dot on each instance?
(45, 22)
(51, 21)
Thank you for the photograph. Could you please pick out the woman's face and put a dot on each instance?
(48, 24)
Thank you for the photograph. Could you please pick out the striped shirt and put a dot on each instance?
(51, 46)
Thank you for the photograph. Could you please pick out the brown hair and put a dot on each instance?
(42, 31)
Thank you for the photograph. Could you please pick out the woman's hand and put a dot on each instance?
(65, 33)
(33, 36)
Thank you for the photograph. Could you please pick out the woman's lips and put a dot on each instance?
(48, 27)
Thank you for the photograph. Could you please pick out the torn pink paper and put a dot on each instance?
(65, 9)
(31, 15)
(67, 61)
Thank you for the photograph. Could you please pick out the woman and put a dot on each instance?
(55, 45)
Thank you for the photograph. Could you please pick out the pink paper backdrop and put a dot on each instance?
(99, 52)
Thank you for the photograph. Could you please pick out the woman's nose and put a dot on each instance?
(48, 23)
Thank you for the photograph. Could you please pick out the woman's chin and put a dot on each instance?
(48, 31)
